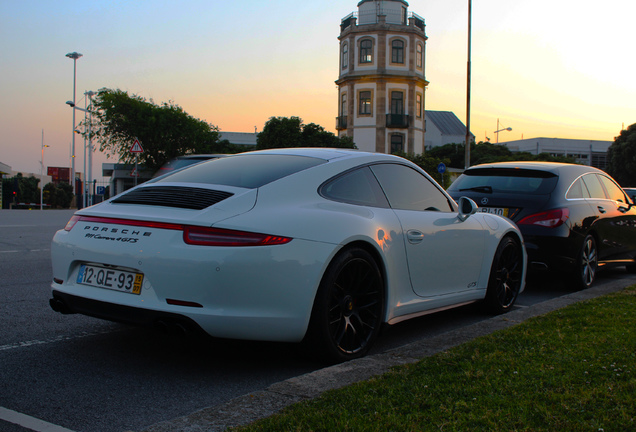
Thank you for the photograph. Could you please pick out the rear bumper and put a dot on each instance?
(556, 252)
(543, 256)
(70, 304)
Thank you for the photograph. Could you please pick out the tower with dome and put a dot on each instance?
(382, 84)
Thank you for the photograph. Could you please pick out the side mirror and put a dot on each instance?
(467, 207)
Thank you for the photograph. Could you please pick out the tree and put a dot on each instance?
(284, 132)
(165, 131)
(621, 157)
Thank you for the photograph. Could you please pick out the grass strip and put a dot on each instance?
(570, 370)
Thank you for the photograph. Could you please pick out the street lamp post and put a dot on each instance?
(89, 95)
(74, 56)
(501, 130)
(468, 86)
(90, 142)
(42, 173)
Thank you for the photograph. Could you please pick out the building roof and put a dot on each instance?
(447, 123)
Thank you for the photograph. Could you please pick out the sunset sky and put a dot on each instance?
(545, 68)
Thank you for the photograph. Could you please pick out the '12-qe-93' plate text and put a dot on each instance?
(110, 278)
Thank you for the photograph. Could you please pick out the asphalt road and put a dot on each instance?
(74, 373)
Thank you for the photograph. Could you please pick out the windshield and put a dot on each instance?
(245, 171)
(505, 180)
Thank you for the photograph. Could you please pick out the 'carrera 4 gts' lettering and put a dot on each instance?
(118, 239)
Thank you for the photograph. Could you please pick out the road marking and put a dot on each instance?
(26, 344)
(29, 422)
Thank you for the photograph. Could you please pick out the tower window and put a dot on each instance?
(365, 103)
(397, 52)
(419, 56)
(345, 55)
(366, 51)
(343, 105)
(397, 102)
(418, 105)
(397, 143)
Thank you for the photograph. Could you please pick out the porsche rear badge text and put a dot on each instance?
(102, 233)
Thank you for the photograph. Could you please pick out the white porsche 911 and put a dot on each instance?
(316, 245)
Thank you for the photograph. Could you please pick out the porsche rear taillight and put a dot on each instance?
(193, 235)
(202, 236)
(549, 219)
(71, 223)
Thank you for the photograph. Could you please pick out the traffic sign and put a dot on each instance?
(136, 147)
(441, 168)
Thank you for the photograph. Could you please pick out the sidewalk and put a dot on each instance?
(261, 404)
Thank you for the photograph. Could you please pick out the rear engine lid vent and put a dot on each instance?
(174, 196)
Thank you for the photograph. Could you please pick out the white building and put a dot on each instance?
(443, 127)
(586, 152)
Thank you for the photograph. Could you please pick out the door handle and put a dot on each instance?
(415, 236)
(601, 209)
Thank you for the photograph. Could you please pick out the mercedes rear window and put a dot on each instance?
(506, 180)
(246, 171)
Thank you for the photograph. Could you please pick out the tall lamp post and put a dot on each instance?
(74, 56)
(89, 94)
(90, 142)
(42, 173)
(468, 85)
(501, 130)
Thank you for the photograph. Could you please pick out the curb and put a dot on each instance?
(257, 405)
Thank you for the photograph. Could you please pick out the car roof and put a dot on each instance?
(329, 154)
(553, 167)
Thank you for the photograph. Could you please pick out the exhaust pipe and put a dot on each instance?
(59, 306)
(173, 328)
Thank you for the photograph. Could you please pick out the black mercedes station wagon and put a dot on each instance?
(574, 219)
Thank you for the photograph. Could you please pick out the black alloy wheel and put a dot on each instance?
(505, 276)
(586, 264)
(348, 309)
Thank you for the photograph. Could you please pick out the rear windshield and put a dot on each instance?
(245, 171)
(178, 163)
(505, 180)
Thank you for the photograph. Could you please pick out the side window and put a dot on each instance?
(358, 187)
(615, 193)
(594, 186)
(419, 56)
(407, 189)
(418, 105)
(345, 55)
(577, 190)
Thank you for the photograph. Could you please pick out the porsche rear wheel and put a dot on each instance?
(348, 309)
(505, 276)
